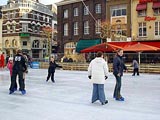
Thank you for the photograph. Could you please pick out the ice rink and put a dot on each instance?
(69, 98)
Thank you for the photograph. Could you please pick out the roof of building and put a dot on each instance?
(65, 2)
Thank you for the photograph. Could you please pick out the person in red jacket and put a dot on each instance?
(2, 60)
(10, 65)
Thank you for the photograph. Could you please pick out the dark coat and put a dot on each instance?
(52, 67)
(118, 65)
(19, 63)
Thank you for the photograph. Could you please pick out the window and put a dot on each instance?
(75, 11)
(8, 28)
(24, 15)
(118, 10)
(38, 16)
(34, 15)
(86, 10)
(70, 45)
(142, 29)
(76, 28)
(98, 8)
(86, 27)
(24, 43)
(35, 44)
(65, 29)
(38, 29)
(8, 15)
(65, 14)
(33, 28)
(13, 27)
(98, 26)
(124, 12)
(24, 27)
(44, 17)
(47, 20)
(141, 13)
(13, 14)
(156, 11)
(157, 28)
(14, 43)
(44, 44)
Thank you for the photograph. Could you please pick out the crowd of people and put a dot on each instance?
(97, 72)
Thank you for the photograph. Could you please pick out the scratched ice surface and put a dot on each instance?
(69, 98)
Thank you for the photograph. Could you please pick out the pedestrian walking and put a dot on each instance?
(19, 67)
(135, 67)
(51, 69)
(118, 68)
(98, 73)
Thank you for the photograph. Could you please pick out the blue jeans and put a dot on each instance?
(98, 93)
(117, 90)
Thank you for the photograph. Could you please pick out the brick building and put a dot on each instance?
(79, 22)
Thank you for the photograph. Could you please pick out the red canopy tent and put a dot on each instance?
(140, 47)
(104, 47)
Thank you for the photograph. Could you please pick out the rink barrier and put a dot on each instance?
(35, 65)
(144, 68)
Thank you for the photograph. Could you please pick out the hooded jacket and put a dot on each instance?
(98, 69)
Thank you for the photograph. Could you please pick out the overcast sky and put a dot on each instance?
(46, 2)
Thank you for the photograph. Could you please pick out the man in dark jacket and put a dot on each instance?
(19, 67)
(51, 69)
(118, 67)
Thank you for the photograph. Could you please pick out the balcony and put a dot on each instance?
(28, 5)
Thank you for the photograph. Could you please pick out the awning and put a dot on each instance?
(156, 5)
(82, 44)
(141, 7)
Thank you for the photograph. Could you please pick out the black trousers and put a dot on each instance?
(50, 74)
(135, 70)
(117, 90)
(13, 80)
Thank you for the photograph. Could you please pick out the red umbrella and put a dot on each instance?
(101, 47)
(140, 47)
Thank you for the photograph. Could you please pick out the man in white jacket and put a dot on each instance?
(98, 73)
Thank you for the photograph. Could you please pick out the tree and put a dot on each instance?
(106, 30)
(47, 31)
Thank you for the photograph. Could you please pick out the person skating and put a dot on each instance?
(135, 67)
(118, 67)
(51, 69)
(19, 67)
(2, 60)
(98, 73)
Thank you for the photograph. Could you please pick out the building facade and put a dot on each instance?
(79, 20)
(0, 30)
(23, 23)
(145, 20)
(119, 16)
